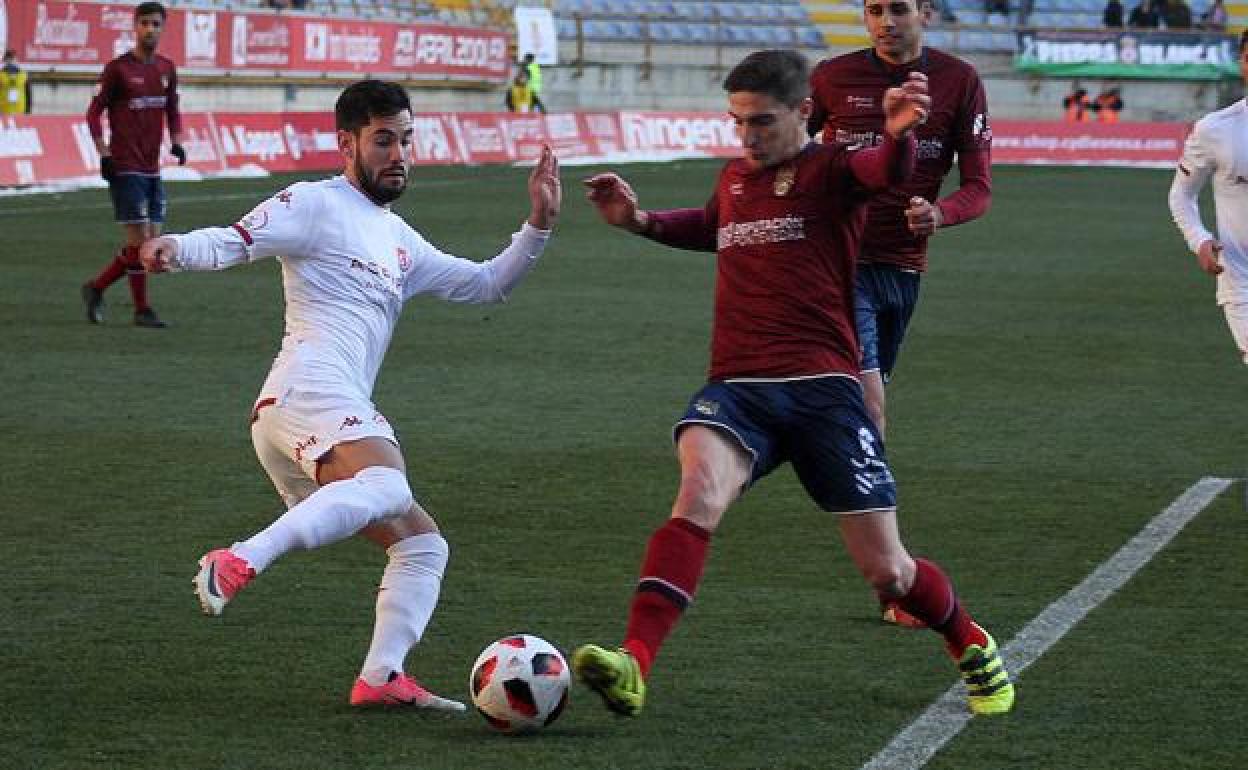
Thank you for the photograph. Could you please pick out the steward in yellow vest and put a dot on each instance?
(14, 87)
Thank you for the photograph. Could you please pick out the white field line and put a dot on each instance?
(921, 739)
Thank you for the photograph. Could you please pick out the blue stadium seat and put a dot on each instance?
(939, 37)
(809, 36)
(735, 34)
(783, 37)
(794, 13)
(701, 33)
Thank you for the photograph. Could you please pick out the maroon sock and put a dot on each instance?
(670, 572)
(111, 272)
(137, 277)
(932, 600)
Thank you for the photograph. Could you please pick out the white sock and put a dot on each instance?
(405, 602)
(332, 513)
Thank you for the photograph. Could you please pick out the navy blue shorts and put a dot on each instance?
(819, 424)
(137, 198)
(886, 296)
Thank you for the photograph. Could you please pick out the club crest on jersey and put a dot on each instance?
(285, 196)
(405, 262)
(164, 82)
(784, 180)
(860, 102)
(981, 128)
(256, 220)
(706, 406)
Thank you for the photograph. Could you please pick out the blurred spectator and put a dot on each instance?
(1024, 11)
(996, 6)
(1108, 105)
(1076, 105)
(947, 15)
(1112, 17)
(1177, 14)
(520, 94)
(15, 96)
(1144, 16)
(533, 70)
(1215, 17)
(278, 5)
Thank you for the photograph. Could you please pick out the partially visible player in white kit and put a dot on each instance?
(348, 265)
(1216, 149)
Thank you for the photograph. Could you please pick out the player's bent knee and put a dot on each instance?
(387, 491)
(701, 501)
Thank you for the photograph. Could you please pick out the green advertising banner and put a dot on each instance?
(1128, 54)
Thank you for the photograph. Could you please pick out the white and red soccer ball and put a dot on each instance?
(520, 683)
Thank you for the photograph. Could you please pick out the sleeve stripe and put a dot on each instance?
(243, 232)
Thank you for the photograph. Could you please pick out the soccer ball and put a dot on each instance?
(520, 684)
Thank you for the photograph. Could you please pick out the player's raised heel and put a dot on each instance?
(988, 685)
(613, 674)
(400, 691)
(221, 575)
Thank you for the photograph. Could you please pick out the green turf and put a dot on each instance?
(1067, 376)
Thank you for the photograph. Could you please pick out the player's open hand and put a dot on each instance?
(906, 106)
(545, 190)
(615, 201)
(1210, 256)
(157, 254)
(923, 216)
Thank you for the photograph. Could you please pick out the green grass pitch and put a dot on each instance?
(1066, 376)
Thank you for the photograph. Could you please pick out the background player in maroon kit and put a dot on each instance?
(785, 221)
(847, 110)
(138, 89)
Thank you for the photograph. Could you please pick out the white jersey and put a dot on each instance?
(1217, 148)
(348, 265)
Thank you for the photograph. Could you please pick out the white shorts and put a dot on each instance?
(1237, 319)
(291, 434)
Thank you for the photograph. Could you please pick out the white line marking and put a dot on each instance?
(945, 718)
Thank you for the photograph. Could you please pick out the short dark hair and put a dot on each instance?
(782, 74)
(10, 54)
(1243, 40)
(362, 101)
(143, 9)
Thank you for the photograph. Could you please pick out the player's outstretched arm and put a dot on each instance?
(616, 202)
(545, 191)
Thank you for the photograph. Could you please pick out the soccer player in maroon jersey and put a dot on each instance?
(848, 112)
(785, 221)
(138, 90)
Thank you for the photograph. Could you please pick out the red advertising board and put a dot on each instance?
(43, 149)
(1091, 144)
(83, 36)
(38, 149)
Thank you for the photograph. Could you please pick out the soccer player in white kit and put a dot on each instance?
(348, 265)
(1216, 149)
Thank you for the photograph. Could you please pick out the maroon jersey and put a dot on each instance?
(138, 95)
(786, 238)
(847, 91)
